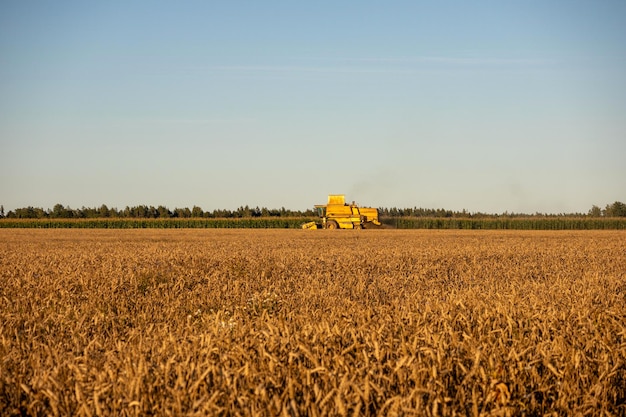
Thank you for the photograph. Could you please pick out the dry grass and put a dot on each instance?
(292, 322)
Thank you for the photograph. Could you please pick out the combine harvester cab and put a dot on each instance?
(339, 215)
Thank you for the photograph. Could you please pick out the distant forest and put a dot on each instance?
(617, 209)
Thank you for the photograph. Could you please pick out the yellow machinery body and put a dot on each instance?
(339, 215)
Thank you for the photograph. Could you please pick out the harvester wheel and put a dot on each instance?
(358, 226)
(332, 225)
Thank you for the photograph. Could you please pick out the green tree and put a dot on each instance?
(103, 211)
(182, 213)
(140, 211)
(595, 211)
(59, 212)
(243, 211)
(89, 212)
(164, 212)
(617, 209)
(29, 213)
(196, 212)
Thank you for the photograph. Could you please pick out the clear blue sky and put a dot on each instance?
(488, 106)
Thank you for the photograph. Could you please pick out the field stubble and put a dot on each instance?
(269, 322)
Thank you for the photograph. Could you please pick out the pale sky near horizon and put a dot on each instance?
(487, 106)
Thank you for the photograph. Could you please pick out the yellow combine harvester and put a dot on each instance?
(339, 215)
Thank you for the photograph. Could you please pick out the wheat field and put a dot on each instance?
(294, 322)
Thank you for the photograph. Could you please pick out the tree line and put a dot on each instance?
(616, 209)
(147, 212)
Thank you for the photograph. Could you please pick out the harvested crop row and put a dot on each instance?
(264, 322)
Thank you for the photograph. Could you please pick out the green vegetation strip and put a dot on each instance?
(530, 223)
(193, 223)
(522, 223)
